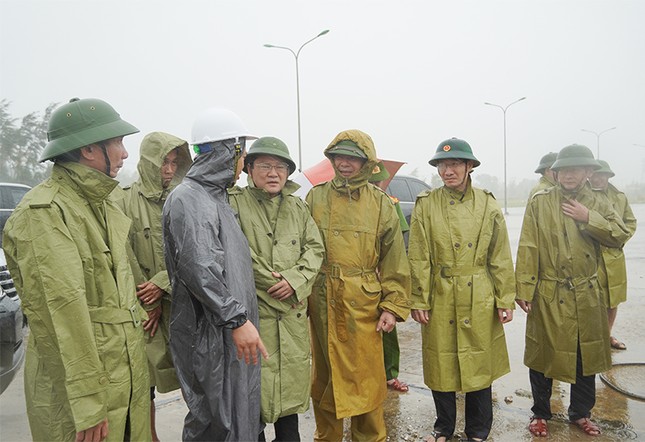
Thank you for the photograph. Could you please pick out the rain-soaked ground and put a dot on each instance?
(410, 416)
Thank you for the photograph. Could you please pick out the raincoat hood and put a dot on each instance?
(365, 143)
(216, 169)
(96, 185)
(154, 148)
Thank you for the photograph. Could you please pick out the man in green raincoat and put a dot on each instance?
(567, 336)
(287, 252)
(612, 274)
(360, 292)
(463, 291)
(164, 160)
(66, 247)
(548, 176)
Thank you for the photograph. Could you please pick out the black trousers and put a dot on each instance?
(286, 430)
(583, 393)
(479, 413)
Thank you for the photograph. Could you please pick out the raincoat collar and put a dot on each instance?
(154, 148)
(365, 143)
(461, 196)
(95, 186)
(578, 193)
(289, 188)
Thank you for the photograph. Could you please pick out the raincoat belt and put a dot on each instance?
(338, 271)
(449, 272)
(571, 283)
(111, 315)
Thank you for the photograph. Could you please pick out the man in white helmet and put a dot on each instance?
(214, 315)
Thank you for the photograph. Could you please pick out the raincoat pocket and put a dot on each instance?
(547, 290)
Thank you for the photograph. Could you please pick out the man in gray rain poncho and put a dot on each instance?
(214, 313)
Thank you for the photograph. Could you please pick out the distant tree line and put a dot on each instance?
(22, 140)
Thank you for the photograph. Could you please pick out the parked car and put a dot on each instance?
(405, 188)
(10, 196)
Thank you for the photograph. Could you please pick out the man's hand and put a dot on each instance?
(505, 315)
(149, 293)
(577, 211)
(152, 323)
(247, 340)
(280, 290)
(524, 305)
(421, 316)
(386, 322)
(96, 433)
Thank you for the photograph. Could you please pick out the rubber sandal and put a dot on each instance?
(434, 436)
(615, 343)
(397, 385)
(586, 425)
(538, 427)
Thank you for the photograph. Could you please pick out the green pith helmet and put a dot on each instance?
(349, 148)
(575, 155)
(604, 168)
(269, 146)
(454, 148)
(81, 123)
(546, 162)
(379, 173)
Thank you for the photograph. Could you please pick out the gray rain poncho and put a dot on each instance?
(209, 264)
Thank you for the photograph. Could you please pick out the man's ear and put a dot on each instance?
(88, 152)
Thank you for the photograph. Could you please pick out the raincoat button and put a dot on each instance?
(270, 234)
(457, 245)
(561, 301)
(469, 283)
(336, 232)
(451, 321)
(452, 203)
(352, 303)
(355, 234)
(466, 321)
(532, 278)
(590, 285)
(147, 235)
(470, 244)
(275, 243)
(103, 380)
(279, 317)
(293, 241)
(419, 288)
(298, 315)
(332, 302)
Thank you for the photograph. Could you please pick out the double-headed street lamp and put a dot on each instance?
(598, 134)
(296, 54)
(504, 111)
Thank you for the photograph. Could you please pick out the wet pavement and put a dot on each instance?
(410, 416)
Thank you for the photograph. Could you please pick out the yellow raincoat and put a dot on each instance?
(66, 247)
(365, 271)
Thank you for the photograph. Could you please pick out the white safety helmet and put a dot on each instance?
(216, 124)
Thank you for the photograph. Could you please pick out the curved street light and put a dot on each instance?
(598, 134)
(504, 111)
(295, 55)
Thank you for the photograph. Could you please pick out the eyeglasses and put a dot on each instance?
(266, 167)
(443, 166)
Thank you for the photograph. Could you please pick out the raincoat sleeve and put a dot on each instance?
(198, 259)
(394, 269)
(606, 226)
(500, 264)
(527, 263)
(52, 287)
(420, 265)
(162, 281)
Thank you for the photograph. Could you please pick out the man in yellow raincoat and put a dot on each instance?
(86, 376)
(287, 252)
(547, 178)
(567, 336)
(164, 160)
(361, 291)
(612, 274)
(463, 291)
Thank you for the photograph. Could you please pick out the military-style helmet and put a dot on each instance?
(217, 124)
(575, 155)
(604, 168)
(81, 123)
(348, 148)
(269, 146)
(546, 162)
(379, 173)
(454, 148)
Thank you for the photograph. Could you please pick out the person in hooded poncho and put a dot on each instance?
(360, 292)
(567, 336)
(67, 249)
(164, 160)
(214, 314)
(287, 252)
(463, 291)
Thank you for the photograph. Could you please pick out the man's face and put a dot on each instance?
(115, 151)
(348, 166)
(169, 168)
(454, 173)
(599, 180)
(573, 178)
(269, 173)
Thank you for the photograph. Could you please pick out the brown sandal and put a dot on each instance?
(615, 343)
(538, 427)
(586, 425)
(397, 385)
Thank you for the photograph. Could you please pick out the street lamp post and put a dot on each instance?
(504, 111)
(598, 134)
(296, 54)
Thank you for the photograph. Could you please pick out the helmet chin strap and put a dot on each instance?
(108, 165)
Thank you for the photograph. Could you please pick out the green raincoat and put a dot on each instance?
(462, 272)
(544, 183)
(612, 274)
(283, 238)
(66, 247)
(556, 270)
(365, 272)
(143, 204)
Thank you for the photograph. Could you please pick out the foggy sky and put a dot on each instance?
(409, 73)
